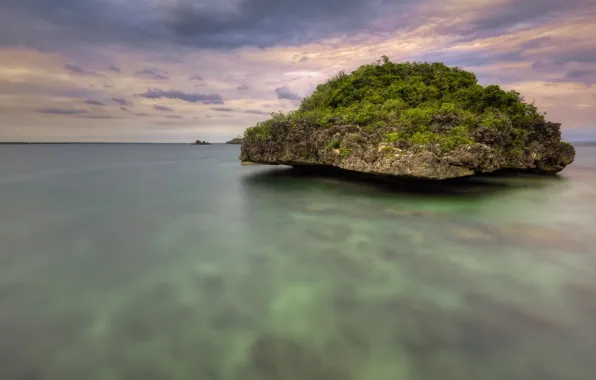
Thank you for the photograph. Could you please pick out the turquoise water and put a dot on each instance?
(150, 262)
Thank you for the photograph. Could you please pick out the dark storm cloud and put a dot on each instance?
(75, 69)
(187, 97)
(162, 108)
(92, 102)
(286, 93)
(152, 73)
(220, 24)
(59, 111)
(499, 17)
(223, 24)
(121, 101)
(114, 69)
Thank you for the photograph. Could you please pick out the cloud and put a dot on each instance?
(114, 69)
(195, 77)
(297, 59)
(586, 77)
(511, 14)
(60, 111)
(152, 73)
(92, 102)
(222, 109)
(286, 93)
(121, 101)
(256, 112)
(266, 22)
(174, 117)
(262, 42)
(97, 117)
(187, 97)
(574, 74)
(537, 43)
(219, 25)
(141, 114)
(78, 70)
(124, 109)
(162, 108)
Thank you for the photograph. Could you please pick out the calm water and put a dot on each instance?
(146, 262)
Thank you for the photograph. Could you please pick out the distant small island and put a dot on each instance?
(235, 140)
(199, 142)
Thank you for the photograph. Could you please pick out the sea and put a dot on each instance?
(172, 261)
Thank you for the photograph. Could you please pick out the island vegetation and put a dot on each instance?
(413, 119)
(199, 142)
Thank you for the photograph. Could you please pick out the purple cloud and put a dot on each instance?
(286, 93)
(121, 101)
(92, 102)
(187, 97)
(256, 112)
(152, 73)
(162, 108)
(60, 111)
(114, 69)
(78, 70)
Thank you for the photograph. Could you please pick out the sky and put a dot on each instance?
(182, 70)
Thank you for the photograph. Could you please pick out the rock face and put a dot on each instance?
(417, 120)
(353, 148)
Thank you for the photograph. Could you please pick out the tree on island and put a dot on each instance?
(199, 142)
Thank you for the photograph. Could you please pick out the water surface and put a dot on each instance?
(123, 262)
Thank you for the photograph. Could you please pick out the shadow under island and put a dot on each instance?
(477, 185)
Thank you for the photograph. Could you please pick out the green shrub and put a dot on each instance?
(260, 131)
(333, 144)
(344, 151)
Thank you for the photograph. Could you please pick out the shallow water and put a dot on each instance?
(123, 262)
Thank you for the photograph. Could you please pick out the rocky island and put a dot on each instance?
(235, 140)
(199, 142)
(420, 120)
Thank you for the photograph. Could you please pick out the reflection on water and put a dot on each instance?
(174, 262)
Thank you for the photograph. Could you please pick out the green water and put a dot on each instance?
(150, 262)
